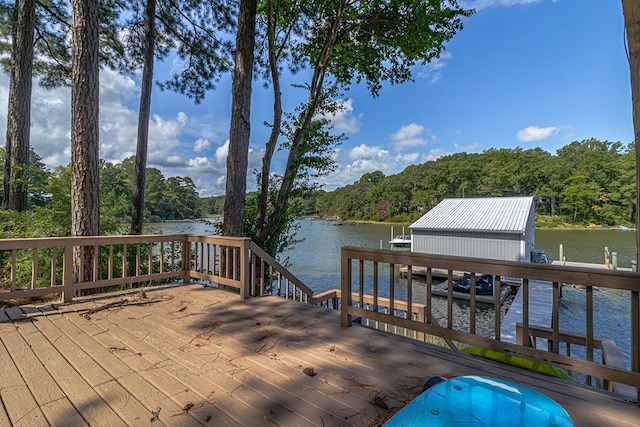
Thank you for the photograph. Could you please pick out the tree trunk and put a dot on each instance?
(631, 10)
(270, 147)
(240, 128)
(85, 206)
(137, 208)
(315, 92)
(19, 110)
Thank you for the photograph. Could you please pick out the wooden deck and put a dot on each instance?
(202, 356)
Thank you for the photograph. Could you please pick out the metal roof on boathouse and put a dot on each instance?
(499, 228)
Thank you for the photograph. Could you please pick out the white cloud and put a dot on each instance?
(485, 4)
(364, 151)
(182, 118)
(174, 160)
(434, 154)
(467, 148)
(432, 71)
(409, 137)
(168, 149)
(409, 157)
(199, 162)
(343, 120)
(535, 133)
(201, 144)
(220, 155)
(365, 158)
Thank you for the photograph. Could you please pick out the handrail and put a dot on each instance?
(263, 264)
(42, 266)
(610, 354)
(372, 270)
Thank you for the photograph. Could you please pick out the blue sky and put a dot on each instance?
(522, 73)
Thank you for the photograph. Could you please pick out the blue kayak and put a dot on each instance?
(480, 400)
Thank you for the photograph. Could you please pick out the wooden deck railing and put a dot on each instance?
(35, 268)
(370, 271)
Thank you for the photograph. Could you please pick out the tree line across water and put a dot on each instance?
(49, 204)
(586, 182)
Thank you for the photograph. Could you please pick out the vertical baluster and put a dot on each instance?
(635, 335)
(262, 273)
(34, 269)
(472, 304)
(589, 314)
(361, 284)
(409, 311)
(161, 257)
(208, 258)
(450, 300)
(497, 300)
(345, 289)
(14, 256)
(525, 312)
(137, 273)
(392, 288)
(286, 286)
(202, 270)
(96, 263)
(124, 260)
(375, 286)
(428, 298)
(555, 318)
(173, 256)
(54, 266)
(110, 263)
(150, 257)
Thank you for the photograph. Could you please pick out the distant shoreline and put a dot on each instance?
(405, 224)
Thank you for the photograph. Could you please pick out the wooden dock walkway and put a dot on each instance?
(197, 356)
(540, 306)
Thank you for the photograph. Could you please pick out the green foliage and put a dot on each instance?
(586, 182)
(36, 176)
(195, 31)
(50, 200)
(211, 205)
(380, 41)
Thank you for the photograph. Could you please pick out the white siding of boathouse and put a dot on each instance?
(499, 228)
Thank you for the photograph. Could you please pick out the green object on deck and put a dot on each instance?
(520, 362)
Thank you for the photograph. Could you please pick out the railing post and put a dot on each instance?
(67, 272)
(186, 260)
(635, 336)
(245, 276)
(345, 289)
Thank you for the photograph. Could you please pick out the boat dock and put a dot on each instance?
(417, 271)
(442, 290)
(540, 307)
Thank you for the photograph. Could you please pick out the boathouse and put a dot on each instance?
(500, 228)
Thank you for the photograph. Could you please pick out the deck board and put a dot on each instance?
(48, 395)
(19, 404)
(206, 357)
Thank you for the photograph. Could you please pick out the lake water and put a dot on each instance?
(316, 261)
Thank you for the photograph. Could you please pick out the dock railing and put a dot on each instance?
(41, 267)
(371, 272)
